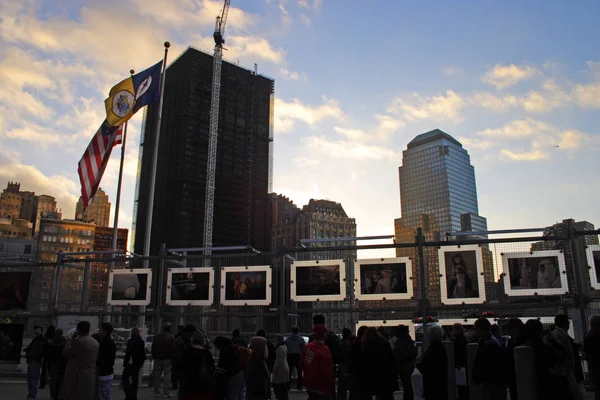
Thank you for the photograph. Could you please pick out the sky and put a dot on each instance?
(518, 83)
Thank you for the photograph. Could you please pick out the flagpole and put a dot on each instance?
(152, 187)
(119, 183)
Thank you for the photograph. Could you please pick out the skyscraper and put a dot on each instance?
(438, 194)
(243, 157)
(98, 211)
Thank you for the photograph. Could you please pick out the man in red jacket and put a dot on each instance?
(317, 366)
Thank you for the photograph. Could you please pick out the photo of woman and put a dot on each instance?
(461, 274)
(534, 273)
(384, 278)
(242, 286)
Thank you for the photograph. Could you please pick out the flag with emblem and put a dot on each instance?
(93, 163)
(133, 93)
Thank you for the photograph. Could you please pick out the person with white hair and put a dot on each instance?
(434, 366)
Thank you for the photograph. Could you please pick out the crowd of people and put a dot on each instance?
(80, 366)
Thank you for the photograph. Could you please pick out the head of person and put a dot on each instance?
(106, 329)
(595, 325)
(83, 328)
(295, 330)
(188, 331)
(167, 328)
(534, 330)
(50, 331)
(402, 330)
(361, 332)
(58, 332)
(258, 344)
(496, 330)
(458, 330)
(261, 333)
(514, 327)
(457, 259)
(37, 330)
(436, 333)
(235, 333)
(562, 321)
(198, 339)
(346, 333)
(319, 331)
(319, 319)
(279, 339)
(483, 327)
(135, 332)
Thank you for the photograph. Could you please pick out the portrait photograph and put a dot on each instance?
(246, 286)
(387, 278)
(14, 290)
(461, 278)
(190, 286)
(593, 260)
(539, 272)
(318, 280)
(129, 287)
(11, 342)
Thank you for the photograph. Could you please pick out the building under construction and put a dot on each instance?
(244, 157)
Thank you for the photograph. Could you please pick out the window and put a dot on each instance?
(27, 249)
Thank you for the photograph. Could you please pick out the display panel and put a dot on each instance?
(190, 286)
(461, 275)
(593, 259)
(383, 279)
(246, 286)
(129, 287)
(534, 273)
(318, 280)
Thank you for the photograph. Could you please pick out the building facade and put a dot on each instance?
(438, 194)
(10, 201)
(16, 228)
(98, 211)
(44, 204)
(283, 214)
(103, 237)
(243, 158)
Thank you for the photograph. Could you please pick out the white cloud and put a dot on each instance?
(519, 128)
(316, 4)
(305, 19)
(493, 102)
(534, 155)
(414, 107)
(255, 47)
(348, 150)
(36, 134)
(503, 76)
(449, 71)
(352, 134)
(475, 143)
(588, 96)
(287, 113)
(294, 76)
(387, 125)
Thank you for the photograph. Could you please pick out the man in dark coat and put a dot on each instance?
(106, 361)
(135, 356)
(489, 368)
(515, 328)
(80, 376)
(405, 353)
(34, 354)
(434, 366)
(162, 353)
(173, 377)
(182, 345)
(56, 362)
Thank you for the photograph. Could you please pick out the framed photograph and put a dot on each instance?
(390, 325)
(318, 280)
(461, 275)
(246, 286)
(593, 260)
(14, 290)
(129, 287)
(383, 279)
(190, 286)
(530, 273)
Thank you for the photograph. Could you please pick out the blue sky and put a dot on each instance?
(355, 82)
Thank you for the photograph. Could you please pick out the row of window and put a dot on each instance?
(66, 240)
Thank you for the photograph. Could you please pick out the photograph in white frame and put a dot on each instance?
(129, 287)
(530, 273)
(593, 260)
(383, 279)
(190, 286)
(390, 324)
(318, 280)
(246, 286)
(461, 270)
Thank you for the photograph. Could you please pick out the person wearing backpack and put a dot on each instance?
(258, 378)
(295, 344)
(236, 384)
(405, 353)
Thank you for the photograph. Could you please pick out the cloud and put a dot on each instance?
(518, 128)
(36, 134)
(451, 71)
(534, 155)
(287, 113)
(414, 107)
(305, 19)
(503, 76)
(348, 150)
(255, 47)
(475, 143)
(388, 125)
(588, 96)
(493, 102)
(294, 76)
(316, 4)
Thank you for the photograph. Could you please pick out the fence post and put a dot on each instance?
(282, 311)
(449, 347)
(85, 295)
(57, 281)
(580, 269)
(160, 288)
(420, 241)
(474, 389)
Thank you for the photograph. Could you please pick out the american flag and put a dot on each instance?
(96, 156)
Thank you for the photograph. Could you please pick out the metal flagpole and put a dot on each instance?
(148, 230)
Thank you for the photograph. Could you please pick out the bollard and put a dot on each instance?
(474, 390)
(525, 369)
(449, 347)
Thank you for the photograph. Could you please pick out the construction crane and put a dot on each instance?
(211, 167)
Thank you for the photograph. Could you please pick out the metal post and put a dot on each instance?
(420, 241)
(85, 295)
(474, 389)
(57, 281)
(525, 370)
(449, 347)
(181, 319)
(580, 269)
(160, 289)
(282, 311)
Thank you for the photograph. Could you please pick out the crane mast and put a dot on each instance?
(209, 201)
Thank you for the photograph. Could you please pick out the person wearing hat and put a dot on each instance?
(198, 367)
(257, 373)
(317, 366)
